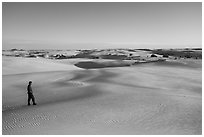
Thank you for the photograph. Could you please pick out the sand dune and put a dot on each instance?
(12, 65)
(142, 99)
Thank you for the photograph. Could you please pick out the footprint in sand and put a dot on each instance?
(77, 83)
(70, 83)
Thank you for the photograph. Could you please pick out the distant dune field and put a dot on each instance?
(147, 99)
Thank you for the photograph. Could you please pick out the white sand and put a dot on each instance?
(143, 99)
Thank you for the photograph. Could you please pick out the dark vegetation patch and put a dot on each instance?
(187, 64)
(116, 57)
(153, 55)
(197, 49)
(145, 49)
(131, 50)
(95, 65)
(89, 65)
(180, 54)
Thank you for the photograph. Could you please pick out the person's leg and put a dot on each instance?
(33, 99)
(29, 98)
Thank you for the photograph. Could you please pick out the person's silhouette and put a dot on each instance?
(30, 94)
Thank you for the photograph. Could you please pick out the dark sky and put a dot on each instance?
(101, 25)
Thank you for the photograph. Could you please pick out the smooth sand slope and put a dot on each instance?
(143, 99)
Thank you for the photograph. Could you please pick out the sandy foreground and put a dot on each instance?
(153, 98)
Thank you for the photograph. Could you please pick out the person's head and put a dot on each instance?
(30, 82)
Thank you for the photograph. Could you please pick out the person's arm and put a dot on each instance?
(29, 88)
(31, 91)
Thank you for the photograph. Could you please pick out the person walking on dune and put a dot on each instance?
(30, 94)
